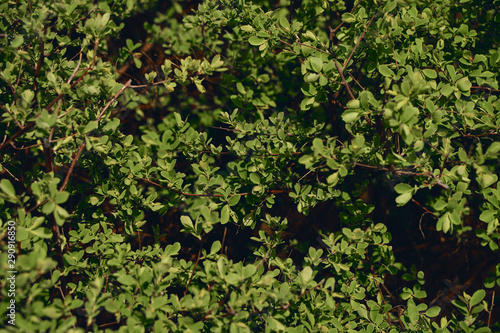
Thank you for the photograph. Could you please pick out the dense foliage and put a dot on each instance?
(230, 121)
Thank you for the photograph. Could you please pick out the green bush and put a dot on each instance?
(244, 108)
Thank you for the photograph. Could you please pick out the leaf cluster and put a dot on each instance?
(244, 108)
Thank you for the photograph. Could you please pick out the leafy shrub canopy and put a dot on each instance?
(222, 113)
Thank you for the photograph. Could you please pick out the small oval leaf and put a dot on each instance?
(256, 41)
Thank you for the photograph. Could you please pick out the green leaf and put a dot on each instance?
(255, 41)
(354, 104)
(187, 222)
(451, 71)
(444, 222)
(306, 50)
(55, 275)
(386, 71)
(284, 23)
(27, 96)
(403, 198)
(248, 271)
(403, 188)
(446, 90)
(234, 199)
(311, 77)
(49, 207)
(263, 34)
(460, 305)
(464, 85)
(488, 215)
(247, 28)
(306, 274)
(60, 215)
(41, 232)
(487, 180)
(224, 214)
(159, 302)
(112, 125)
(92, 125)
(440, 205)
(172, 249)
(433, 312)
(216, 246)
(130, 44)
(240, 88)
(493, 149)
(348, 18)
(477, 297)
(18, 41)
(412, 311)
(126, 280)
(137, 62)
(430, 73)
(255, 178)
(318, 145)
(316, 64)
(61, 197)
(281, 134)
(350, 116)
(333, 178)
(7, 188)
(390, 5)
(275, 325)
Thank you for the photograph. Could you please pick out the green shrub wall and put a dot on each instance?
(158, 161)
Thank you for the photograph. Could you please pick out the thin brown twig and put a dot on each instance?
(5, 135)
(423, 207)
(491, 309)
(371, 166)
(113, 99)
(310, 171)
(394, 53)
(255, 209)
(7, 170)
(82, 146)
(12, 115)
(20, 72)
(319, 284)
(378, 284)
(344, 82)
(420, 224)
(399, 172)
(340, 70)
(362, 88)
(207, 315)
(72, 166)
(442, 167)
(19, 132)
(195, 265)
(57, 114)
(223, 241)
(76, 68)
(51, 104)
(436, 149)
(149, 84)
(185, 193)
(346, 62)
(264, 259)
(65, 113)
(38, 65)
(342, 23)
(485, 88)
(312, 47)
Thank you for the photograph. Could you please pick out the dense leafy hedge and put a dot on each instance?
(222, 112)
